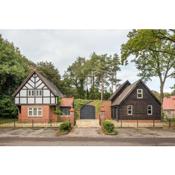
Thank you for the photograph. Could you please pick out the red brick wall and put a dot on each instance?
(48, 115)
(107, 107)
(23, 116)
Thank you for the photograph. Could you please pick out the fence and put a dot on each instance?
(13, 123)
(169, 123)
(144, 123)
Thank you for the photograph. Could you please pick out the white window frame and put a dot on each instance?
(30, 93)
(38, 93)
(139, 92)
(38, 110)
(130, 108)
(148, 108)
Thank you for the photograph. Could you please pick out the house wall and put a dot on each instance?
(35, 83)
(48, 115)
(140, 106)
(169, 113)
(23, 115)
(107, 108)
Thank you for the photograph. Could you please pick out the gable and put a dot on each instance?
(36, 90)
(118, 91)
(148, 96)
(131, 93)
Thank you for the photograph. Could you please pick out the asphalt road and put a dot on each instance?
(84, 141)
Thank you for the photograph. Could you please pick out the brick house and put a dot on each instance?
(135, 102)
(37, 99)
(169, 106)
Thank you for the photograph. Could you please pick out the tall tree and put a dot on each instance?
(13, 68)
(114, 67)
(154, 57)
(76, 75)
(51, 73)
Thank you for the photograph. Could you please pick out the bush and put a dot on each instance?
(65, 126)
(108, 126)
(7, 107)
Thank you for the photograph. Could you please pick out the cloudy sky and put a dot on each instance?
(62, 47)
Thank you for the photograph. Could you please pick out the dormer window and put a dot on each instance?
(139, 93)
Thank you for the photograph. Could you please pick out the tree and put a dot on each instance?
(14, 67)
(7, 108)
(51, 73)
(154, 57)
(90, 78)
(114, 63)
(76, 74)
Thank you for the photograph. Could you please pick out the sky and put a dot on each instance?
(62, 47)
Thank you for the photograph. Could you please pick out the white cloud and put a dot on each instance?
(62, 47)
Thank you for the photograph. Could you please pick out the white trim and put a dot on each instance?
(131, 109)
(32, 110)
(150, 109)
(140, 92)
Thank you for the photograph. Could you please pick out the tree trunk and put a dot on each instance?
(161, 97)
(102, 89)
(112, 88)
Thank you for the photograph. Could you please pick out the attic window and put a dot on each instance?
(139, 93)
(37, 93)
(30, 93)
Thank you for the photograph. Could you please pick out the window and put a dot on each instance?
(38, 92)
(34, 112)
(130, 109)
(149, 110)
(32, 93)
(65, 111)
(139, 93)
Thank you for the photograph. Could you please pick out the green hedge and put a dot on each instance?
(108, 126)
(65, 126)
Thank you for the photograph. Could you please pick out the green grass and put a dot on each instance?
(7, 120)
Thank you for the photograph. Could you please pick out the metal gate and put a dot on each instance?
(87, 112)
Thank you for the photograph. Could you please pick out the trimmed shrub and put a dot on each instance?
(65, 126)
(108, 126)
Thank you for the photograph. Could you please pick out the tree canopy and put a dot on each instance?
(154, 54)
(92, 77)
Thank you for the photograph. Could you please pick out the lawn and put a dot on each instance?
(7, 120)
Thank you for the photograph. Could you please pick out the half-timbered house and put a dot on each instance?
(36, 99)
(135, 102)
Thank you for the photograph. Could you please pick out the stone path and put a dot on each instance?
(87, 123)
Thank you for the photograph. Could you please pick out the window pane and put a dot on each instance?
(34, 111)
(65, 111)
(39, 111)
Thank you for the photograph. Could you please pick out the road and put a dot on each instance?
(84, 141)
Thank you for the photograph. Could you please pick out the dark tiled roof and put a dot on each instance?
(127, 91)
(119, 90)
(48, 83)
